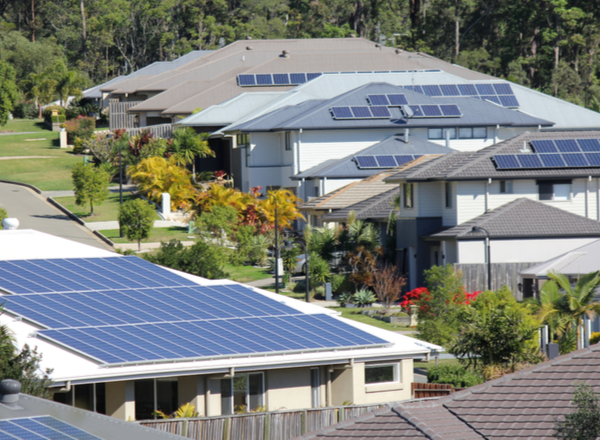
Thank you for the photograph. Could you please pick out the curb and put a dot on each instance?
(103, 238)
(26, 185)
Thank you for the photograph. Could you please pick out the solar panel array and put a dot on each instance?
(499, 93)
(391, 99)
(565, 145)
(547, 160)
(361, 112)
(276, 79)
(41, 428)
(435, 111)
(123, 309)
(384, 161)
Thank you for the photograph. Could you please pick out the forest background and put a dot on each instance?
(551, 46)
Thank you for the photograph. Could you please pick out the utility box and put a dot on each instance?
(328, 293)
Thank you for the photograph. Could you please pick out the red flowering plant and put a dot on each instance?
(416, 297)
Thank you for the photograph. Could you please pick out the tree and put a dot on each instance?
(136, 218)
(584, 422)
(68, 82)
(8, 91)
(40, 87)
(388, 286)
(187, 145)
(91, 185)
(563, 305)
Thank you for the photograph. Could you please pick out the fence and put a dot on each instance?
(118, 116)
(159, 131)
(428, 390)
(475, 276)
(279, 425)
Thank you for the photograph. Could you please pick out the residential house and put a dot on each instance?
(536, 194)
(273, 148)
(524, 404)
(126, 337)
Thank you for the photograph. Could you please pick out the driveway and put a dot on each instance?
(34, 212)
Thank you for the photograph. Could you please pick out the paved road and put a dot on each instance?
(34, 212)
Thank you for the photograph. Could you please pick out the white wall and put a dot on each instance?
(431, 199)
(518, 250)
(470, 200)
(450, 215)
(267, 149)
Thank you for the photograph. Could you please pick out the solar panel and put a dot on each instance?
(589, 144)
(530, 160)
(386, 161)
(405, 158)
(492, 98)
(467, 89)
(593, 159)
(450, 110)
(544, 146)
(575, 160)
(380, 112)
(507, 161)
(431, 110)
(567, 145)
(297, 78)
(281, 78)
(310, 76)
(551, 160)
(378, 99)
(449, 90)
(41, 428)
(342, 112)
(432, 90)
(246, 80)
(362, 112)
(503, 89)
(485, 89)
(264, 79)
(417, 112)
(397, 99)
(366, 162)
(508, 100)
(416, 89)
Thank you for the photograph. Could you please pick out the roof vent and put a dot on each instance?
(9, 391)
(248, 47)
(285, 54)
(407, 112)
(398, 51)
(10, 223)
(248, 37)
(377, 45)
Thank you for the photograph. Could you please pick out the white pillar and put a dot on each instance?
(166, 204)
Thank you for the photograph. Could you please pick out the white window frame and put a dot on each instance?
(397, 376)
(247, 398)
(412, 196)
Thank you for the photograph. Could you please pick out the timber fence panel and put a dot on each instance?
(248, 427)
(164, 131)
(118, 115)
(171, 426)
(320, 418)
(355, 411)
(206, 429)
(286, 425)
(503, 274)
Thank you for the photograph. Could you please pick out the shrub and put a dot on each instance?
(345, 298)
(47, 113)
(318, 270)
(82, 128)
(364, 298)
(25, 110)
(339, 283)
(454, 375)
(595, 338)
(258, 250)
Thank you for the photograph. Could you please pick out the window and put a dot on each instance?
(480, 132)
(91, 397)
(381, 373)
(448, 188)
(465, 133)
(408, 195)
(554, 190)
(243, 140)
(435, 133)
(506, 187)
(451, 132)
(288, 141)
(242, 393)
(155, 395)
(314, 387)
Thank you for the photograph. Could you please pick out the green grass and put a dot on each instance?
(156, 235)
(107, 211)
(21, 125)
(355, 314)
(244, 274)
(431, 363)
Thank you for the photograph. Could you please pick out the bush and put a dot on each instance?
(25, 110)
(345, 298)
(339, 283)
(318, 270)
(595, 338)
(47, 113)
(82, 128)
(258, 250)
(364, 298)
(454, 375)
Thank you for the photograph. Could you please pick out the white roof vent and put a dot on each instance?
(10, 223)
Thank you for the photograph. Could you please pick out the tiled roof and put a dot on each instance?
(479, 165)
(522, 405)
(378, 207)
(525, 218)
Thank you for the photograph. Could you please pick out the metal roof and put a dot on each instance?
(524, 218)
(479, 165)
(579, 261)
(317, 116)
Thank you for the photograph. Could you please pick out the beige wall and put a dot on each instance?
(288, 389)
(120, 400)
(190, 389)
(385, 392)
(342, 385)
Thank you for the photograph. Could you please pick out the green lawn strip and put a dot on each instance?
(156, 235)
(244, 274)
(45, 144)
(22, 125)
(431, 363)
(354, 314)
(107, 211)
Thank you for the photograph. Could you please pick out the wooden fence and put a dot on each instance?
(428, 390)
(164, 131)
(475, 276)
(277, 425)
(118, 115)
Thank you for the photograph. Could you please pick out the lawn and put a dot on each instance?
(431, 363)
(244, 274)
(156, 235)
(107, 211)
(23, 125)
(355, 315)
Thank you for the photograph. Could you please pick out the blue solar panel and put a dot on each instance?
(297, 78)
(530, 160)
(467, 89)
(246, 80)
(575, 160)
(416, 89)
(567, 145)
(432, 90)
(342, 112)
(449, 90)
(492, 98)
(264, 79)
(378, 99)
(507, 161)
(450, 110)
(281, 78)
(380, 112)
(589, 144)
(386, 161)
(397, 99)
(431, 110)
(485, 89)
(544, 146)
(362, 112)
(405, 158)
(593, 159)
(552, 160)
(310, 76)
(366, 162)
(503, 89)
(41, 428)
(508, 100)
(417, 112)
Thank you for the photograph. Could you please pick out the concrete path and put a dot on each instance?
(27, 157)
(146, 246)
(34, 212)
(103, 226)
(112, 189)
(20, 132)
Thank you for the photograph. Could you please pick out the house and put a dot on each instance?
(126, 337)
(278, 145)
(28, 417)
(518, 405)
(542, 204)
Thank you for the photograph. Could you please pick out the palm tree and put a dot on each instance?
(187, 145)
(40, 87)
(68, 82)
(563, 305)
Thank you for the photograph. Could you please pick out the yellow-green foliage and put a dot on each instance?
(595, 338)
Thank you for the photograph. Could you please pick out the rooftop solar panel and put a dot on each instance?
(508, 100)
(264, 79)
(467, 89)
(41, 428)
(450, 110)
(551, 160)
(366, 162)
(404, 158)
(593, 159)
(503, 89)
(432, 90)
(431, 110)
(397, 99)
(507, 161)
(246, 80)
(310, 76)
(281, 78)
(378, 99)
(417, 89)
(485, 89)
(386, 161)
(342, 113)
(492, 98)
(589, 144)
(380, 112)
(361, 112)
(567, 145)
(449, 90)
(297, 78)
(544, 146)
(417, 112)
(575, 160)
(530, 160)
